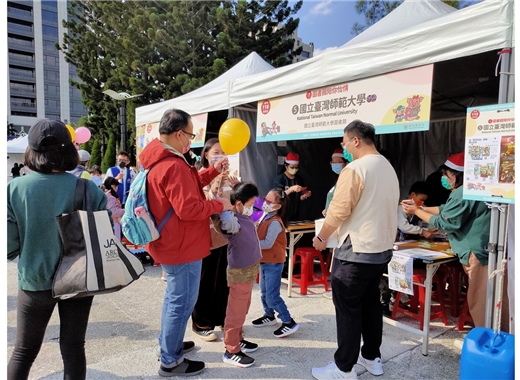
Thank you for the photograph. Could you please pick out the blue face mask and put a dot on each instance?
(336, 167)
(445, 183)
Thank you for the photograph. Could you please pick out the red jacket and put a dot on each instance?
(172, 182)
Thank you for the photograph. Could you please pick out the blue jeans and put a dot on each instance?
(182, 288)
(270, 282)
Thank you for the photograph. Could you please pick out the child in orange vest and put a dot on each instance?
(273, 241)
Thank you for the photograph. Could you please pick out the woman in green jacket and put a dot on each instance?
(467, 224)
(33, 202)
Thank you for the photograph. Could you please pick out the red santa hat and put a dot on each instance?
(292, 158)
(456, 162)
(338, 153)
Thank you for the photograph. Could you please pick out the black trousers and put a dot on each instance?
(33, 315)
(355, 292)
(210, 309)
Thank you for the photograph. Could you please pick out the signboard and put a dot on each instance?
(489, 156)
(394, 102)
(400, 273)
(145, 133)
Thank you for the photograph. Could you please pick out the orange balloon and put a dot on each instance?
(234, 135)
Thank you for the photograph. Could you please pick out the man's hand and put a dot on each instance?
(226, 203)
(222, 164)
(320, 246)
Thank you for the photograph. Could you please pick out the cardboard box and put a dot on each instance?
(332, 241)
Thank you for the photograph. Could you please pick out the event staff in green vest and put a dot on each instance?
(293, 185)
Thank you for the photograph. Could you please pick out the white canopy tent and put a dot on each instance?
(476, 29)
(16, 152)
(210, 97)
(406, 15)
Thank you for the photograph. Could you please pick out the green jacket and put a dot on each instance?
(33, 203)
(467, 225)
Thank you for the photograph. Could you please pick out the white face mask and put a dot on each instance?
(292, 171)
(268, 208)
(247, 210)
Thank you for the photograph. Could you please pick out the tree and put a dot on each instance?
(109, 158)
(163, 49)
(375, 10)
(95, 153)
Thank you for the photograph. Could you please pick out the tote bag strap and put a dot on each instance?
(82, 197)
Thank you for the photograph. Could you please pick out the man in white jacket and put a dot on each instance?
(363, 211)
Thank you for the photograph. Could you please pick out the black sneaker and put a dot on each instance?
(286, 329)
(264, 321)
(187, 346)
(186, 368)
(246, 346)
(239, 359)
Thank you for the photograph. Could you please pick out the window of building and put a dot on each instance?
(27, 73)
(20, 57)
(50, 30)
(18, 9)
(50, 60)
(51, 75)
(22, 87)
(49, 16)
(19, 27)
(20, 41)
(50, 46)
(305, 54)
(23, 102)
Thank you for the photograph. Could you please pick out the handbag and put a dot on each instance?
(92, 260)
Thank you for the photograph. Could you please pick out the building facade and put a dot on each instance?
(307, 51)
(38, 75)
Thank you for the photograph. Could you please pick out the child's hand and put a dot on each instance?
(233, 181)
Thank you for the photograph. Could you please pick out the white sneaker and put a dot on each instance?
(328, 295)
(331, 371)
(375, 367)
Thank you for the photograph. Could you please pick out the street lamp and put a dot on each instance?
(123, 96)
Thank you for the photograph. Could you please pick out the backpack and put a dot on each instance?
(137, 223)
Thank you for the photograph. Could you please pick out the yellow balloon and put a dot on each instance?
(72, 132)
(234, 135)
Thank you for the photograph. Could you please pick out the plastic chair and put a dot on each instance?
(465, 317)
(417, 301)
(453, 274)
(307, 276)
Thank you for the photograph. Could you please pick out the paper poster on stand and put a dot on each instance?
(489, 157)
(393, 102)
(400, 273)
(145, 133)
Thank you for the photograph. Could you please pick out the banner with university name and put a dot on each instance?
(145, 133)
(393, 102)
(489, 157)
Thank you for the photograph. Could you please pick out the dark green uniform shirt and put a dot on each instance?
(467, 225)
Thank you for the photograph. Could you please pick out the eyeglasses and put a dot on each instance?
(191, 136)
(343, 145)
(269, 202)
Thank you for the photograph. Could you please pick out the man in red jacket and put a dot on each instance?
(185, 239)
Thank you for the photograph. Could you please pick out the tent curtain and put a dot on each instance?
(416, 155)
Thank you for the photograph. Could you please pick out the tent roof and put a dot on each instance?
(406, 15)
(476, 29)
(18, 145)
(211, 97)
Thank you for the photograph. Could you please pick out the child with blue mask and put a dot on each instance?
(337, 163)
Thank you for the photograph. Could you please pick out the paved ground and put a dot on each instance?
(123, 329)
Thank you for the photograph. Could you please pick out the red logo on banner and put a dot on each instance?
(266, 107)
(149, 128)
(308, 95)
(475, 114)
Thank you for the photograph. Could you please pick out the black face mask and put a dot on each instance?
(121, 164)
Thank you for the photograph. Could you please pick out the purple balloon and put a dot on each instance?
(257, 209)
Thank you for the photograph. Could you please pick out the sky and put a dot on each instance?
(327, 23)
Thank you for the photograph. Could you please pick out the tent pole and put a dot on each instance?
(496, 230)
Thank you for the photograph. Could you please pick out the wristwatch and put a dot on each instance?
(320, 239)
